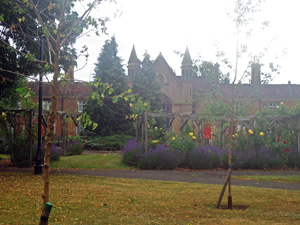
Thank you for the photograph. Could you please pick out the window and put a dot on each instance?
(46, 105)
(81, 105)
(273, 105)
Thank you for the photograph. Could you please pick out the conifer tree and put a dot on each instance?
(144, 84)
(111, 117)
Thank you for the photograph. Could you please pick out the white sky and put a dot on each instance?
(168, 25)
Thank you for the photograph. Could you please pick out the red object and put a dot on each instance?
(207, 131)
(149, 137)
(166, 145)
(277, 140)
(286, 150)
(83, 142)
(284, 142)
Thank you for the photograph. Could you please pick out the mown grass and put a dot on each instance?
(103, 200)
(4, 156)
(273, 178)
(95, 161)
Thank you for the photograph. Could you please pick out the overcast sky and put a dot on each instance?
(203, 25)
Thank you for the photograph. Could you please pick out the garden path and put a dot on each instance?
(193, 176)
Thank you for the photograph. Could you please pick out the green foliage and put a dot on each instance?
(19, 151)
(185, 143)
(74, 148)
(140, 107)
(108, 143)
(109, 104)
(144, 84)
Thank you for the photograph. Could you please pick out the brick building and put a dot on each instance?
(179, 93)
(71, 100)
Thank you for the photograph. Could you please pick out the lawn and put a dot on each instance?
(95, 161)
(103, 200)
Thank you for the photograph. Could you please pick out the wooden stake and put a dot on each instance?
(224, 188)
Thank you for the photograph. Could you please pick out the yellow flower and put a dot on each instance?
(261, 133)
(250, 131)
(194, 137)
(130, 105)
(145, 103)
(173, 138)
(281, 103)
(155, 128)
(191, 134)
(154, 141)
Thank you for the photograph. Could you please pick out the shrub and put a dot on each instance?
(19, 151)
(55, 153)
(293, 158)
(131, 152)
(184, 144)
(3, 146)
(160, 158)
(109, 143)
(204, 157)
(74, 148)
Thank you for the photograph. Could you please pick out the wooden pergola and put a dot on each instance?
(248, 122)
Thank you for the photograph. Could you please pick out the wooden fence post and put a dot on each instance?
(146, 131)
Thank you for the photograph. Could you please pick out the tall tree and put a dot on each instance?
(144, 84)
(110, 117)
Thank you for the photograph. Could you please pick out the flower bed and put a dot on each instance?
(163, 156)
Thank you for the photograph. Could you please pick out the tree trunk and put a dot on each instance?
(50, 129)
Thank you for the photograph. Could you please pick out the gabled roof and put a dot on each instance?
(187, 57)
(161, 62)
(133, 57)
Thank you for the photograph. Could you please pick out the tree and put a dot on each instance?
(242, 17)
(60, 27)
(14, 46)
(144, 84)
(110, 117)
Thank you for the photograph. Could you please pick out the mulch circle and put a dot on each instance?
(234, 207)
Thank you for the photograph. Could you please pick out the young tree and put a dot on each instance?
(243, 15)
(110, 117)
(144, 84)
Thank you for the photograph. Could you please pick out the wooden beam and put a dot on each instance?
(75, 122)
(171, 121)
(44, 121)
(183, 124)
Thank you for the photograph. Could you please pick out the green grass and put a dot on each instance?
(275, 178)
(4, 156)
(96, 161)
(104, 200)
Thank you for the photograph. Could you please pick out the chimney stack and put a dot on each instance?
(255, 74)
